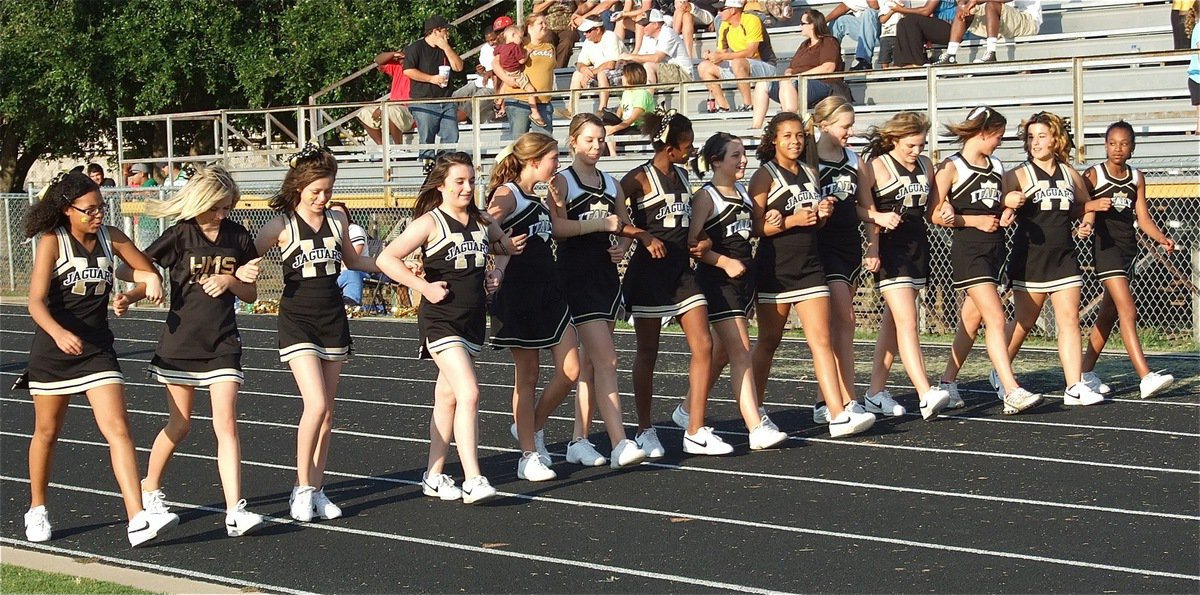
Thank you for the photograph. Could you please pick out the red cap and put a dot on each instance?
(501, 23)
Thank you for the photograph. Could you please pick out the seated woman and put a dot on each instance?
(819, 53)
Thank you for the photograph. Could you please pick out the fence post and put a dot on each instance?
(1195, 281)
(1077, 111)
(931, 91)
(12, 282)
(477, 149)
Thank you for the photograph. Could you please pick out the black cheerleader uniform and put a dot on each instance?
(839, 242)
(788, 268)
(729, 227)
(903, 251)
(663, 287)
(200, 344)
(529, 311)
(78, 300)
(457, 254)
(312, 317)
(1115, 244)
(977, 257)
(588, 275)
(1043, 256)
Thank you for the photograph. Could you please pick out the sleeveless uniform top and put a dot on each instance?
(585, 202)
(665, 211)
(200, 326)
(1045, 218)
(839, 179)
(312, 259)
(977, 192)
(906, 194)
(457, 254)
(789, 193)
(80, 285)
(729, 226)
(530, 218)
(1117, 223)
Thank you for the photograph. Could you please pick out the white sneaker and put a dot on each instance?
(956, 400)
(626, 453)
(1154, 383)
(705, 442)
(239, 521)
(323, 507)
(154, 501)
(820, 413)
(850, 422)
(147, 525)
(301, 503)
(581, 451)
(765, 436)
(477, 489)
(1081, 394)
(439, 486)
(539, 444)
(681, 418)
(766, 420)
(933, 402)
(1093, 381)
(37, 524)
(648, 441)
(1020, 400)
(883, 403)
(530, 468)
(994, 379)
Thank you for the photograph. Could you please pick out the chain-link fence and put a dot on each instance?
(1164, 284)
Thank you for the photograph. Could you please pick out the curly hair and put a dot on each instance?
(309, 165)
(1059, 129)
(47, 213)
(430, 196)
(882, 139)
(766, 147)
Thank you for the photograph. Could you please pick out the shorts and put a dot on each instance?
(371, 116)
(887, 49)
(613, 76)
(1013, 22)
(1194, 90)
(522, 80)
(700, 17)
(673, 73)
(758, 69)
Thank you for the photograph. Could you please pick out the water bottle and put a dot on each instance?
(712, 104)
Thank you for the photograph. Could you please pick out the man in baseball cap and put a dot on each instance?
(502, 22)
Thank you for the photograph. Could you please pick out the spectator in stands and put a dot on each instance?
(860, 20)
(630, 17)
(889, 19)
(539, 72)
(513, 58)
(485, 80)
(1179, 29)
(993, 18)
(351, 281)
(690, 17)
(929, 23)
(400, 119)
(596, 65)
(428, 62)
(562, 32)
(177, 177)
(737, 56)
(819, 53)
(96, 173)
(635, 104)
(141, 174)
(1193, 31)
(663, 54)
(599, 11)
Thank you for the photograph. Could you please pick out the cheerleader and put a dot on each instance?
(892, 194)
(455, 239)
(72, 350)
(721, 210)
(592, 235)
(314, 336)
(788, 211)
(1043, 263)
(971, 196)
(660, 283)
(1122, 188)
(200, 345)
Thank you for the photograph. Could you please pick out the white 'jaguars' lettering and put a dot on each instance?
(674, 215)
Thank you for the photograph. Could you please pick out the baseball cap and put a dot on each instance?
(654, 16)
(140, 168)
(730, 4)
(435, 22)
(587, 25)
(502, 22)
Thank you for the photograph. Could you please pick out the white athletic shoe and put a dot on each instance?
(850, 422)
(766, 420)
(147, 525)
(531, 468)
(477, 489)
(882, 403)
(648, 441)
(997, 386)
(626, 453)
(681, 418)
(581, 451)
(239, 521)
(1020, 400)
(1154, 383)
(37, 524)
(301, 503)
(765, 436)
(1093, 381)
(323, 507)
(1081, 394)
(705, 442)
(933, 402)
(820, 413)
(539, 444)
(439, 485)
(956, 400)
(154, 501)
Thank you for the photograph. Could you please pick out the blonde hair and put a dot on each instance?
(1059, 129)
(827, 109)
(527, 147)
(882, 139)
(981, 119)
(204, 190)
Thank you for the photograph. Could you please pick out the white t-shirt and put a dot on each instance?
(487, 55)
(670, 43)
(358, 237)
(888, 28)
(607, 50)
(1032, 8)
(857, 6)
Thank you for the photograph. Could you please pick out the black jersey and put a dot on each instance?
(530, 218)
(80, 284)
(729, 225)
(1117, 222)
(977, 192)
(839, 179)
(906, 193)
(312, 259)
(200, 326)
(666, 210)
(1045, 218)
(587, 202)
(457, 254)
(789, 194)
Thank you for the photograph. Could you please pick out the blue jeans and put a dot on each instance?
(864, 27)
(519, 122)
(436, 120)
(351, 282)
(817, 90)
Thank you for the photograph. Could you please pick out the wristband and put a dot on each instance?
(587, 226)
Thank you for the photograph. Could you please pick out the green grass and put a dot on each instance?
(15, 579)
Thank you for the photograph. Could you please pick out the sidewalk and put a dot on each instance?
(147, 581)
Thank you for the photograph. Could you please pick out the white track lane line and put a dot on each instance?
(664, 514)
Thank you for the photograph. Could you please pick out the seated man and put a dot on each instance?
(1007, 18)
(399, 118)
(663, 53)
(738, 54)
(860, 20)
(596, 65)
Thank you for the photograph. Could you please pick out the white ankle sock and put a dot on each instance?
(952, 48)
(991, 44)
